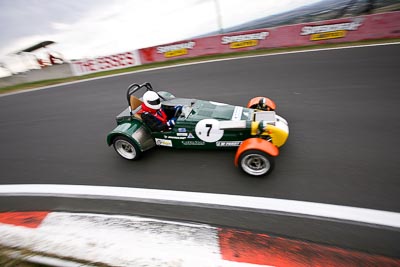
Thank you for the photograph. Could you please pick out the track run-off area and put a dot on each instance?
(335, 182)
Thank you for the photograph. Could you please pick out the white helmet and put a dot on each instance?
(152, 100)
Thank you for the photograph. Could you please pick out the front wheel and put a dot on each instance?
(262, 103)
(126, 148)
(256, 163)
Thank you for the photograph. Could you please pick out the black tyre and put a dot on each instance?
(256, 163)
(266, 108)
(126, 148)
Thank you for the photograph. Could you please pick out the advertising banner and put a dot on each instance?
(111, 62)
(377, 26)
(178, 50)
(218, 44)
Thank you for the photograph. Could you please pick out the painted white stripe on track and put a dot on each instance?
(361, 215)
(118, 240)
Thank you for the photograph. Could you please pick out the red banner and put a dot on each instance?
(377, 26)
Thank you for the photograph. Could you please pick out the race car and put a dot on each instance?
(255, 131)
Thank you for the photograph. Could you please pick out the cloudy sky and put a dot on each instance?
(91, 28)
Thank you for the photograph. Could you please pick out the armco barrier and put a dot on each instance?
(377, 26)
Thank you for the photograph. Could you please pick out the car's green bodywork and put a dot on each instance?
(255, 131)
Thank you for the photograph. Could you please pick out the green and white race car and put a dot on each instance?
(256, 131)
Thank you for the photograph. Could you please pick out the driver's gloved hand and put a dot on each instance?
(171, 122)
(178, 107)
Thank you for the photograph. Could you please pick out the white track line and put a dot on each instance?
(360, 215)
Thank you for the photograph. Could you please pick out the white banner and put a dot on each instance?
(111, 62)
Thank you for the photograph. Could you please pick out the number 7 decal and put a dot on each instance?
(208, 130)
(209, 125)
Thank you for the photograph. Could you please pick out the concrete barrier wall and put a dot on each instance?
(47, 73)
(376, 26)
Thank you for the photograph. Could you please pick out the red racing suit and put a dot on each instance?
(156, 120)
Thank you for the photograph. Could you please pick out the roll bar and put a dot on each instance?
(136, 87)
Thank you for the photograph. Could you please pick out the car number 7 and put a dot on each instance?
(208, 130)
(209, 125)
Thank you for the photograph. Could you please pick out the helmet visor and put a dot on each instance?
(154, 102)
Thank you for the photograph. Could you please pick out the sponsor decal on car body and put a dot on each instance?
(174, 137)
(163, 142)
(193, 143)
(237, 113)
(228, 143)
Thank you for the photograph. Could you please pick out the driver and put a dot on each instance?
(153, 115)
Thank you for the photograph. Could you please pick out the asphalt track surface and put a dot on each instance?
(342, 109)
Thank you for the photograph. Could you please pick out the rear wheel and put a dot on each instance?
(126, 148)
(256, 163)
